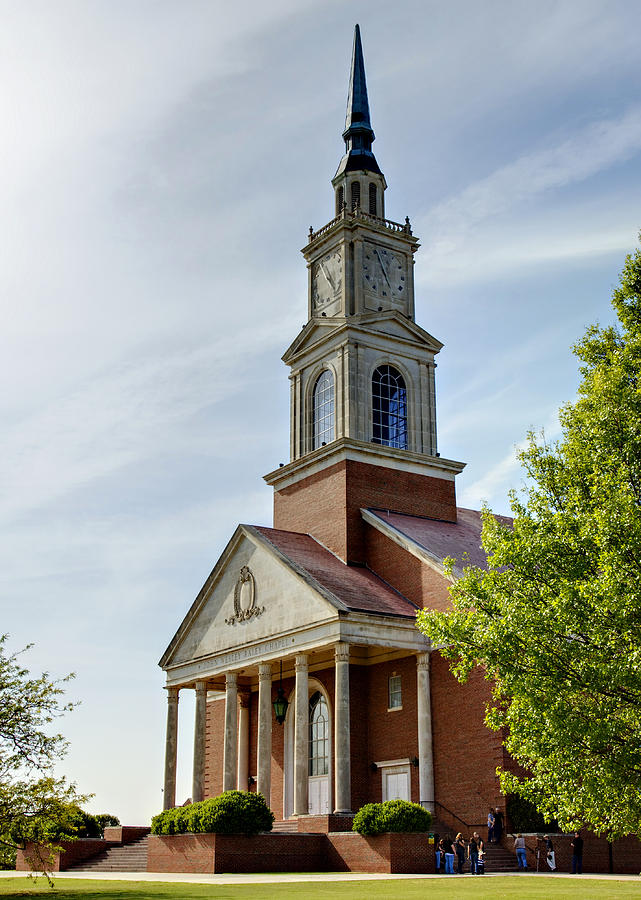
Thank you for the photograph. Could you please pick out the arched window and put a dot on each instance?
(318, 735)
(372, 198)
(356, 194)
(323, 409)
(389, 406)
(340, 200)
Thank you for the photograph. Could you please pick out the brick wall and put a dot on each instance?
(392, 734)
(409, 575)
(346, 852)
(384, 853)
(215, 853)
(214, 743)
(466, 752)
(33, 858)
(327, 504)
(626, 853)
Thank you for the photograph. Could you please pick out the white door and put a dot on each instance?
(396, 783)
(318, 786)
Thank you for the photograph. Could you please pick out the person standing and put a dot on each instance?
(519, 846)
(577, 854)
(473, 854)
(459, 846)
(490, 825)
(440, 854)
(498, 825)
(449, 856)
(549, 853)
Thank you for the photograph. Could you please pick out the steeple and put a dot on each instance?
(358, 134)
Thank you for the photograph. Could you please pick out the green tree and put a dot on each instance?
(555, 620)
(34, 804)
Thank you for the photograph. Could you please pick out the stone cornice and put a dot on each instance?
(361, 451)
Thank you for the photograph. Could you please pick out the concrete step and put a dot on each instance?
(125, 858)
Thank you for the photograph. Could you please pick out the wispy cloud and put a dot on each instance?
(449, 227)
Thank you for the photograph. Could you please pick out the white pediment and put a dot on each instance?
(253, 594)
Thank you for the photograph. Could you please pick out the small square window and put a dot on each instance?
(395, 700)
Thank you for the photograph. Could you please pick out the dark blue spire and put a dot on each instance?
(357, 117)
(358, 134)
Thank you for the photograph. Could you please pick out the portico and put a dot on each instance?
(237, 679)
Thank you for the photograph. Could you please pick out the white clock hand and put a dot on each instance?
(383, 268)
(327, 278)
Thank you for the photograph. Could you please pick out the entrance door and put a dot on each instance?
(396, 783)
(318, 781)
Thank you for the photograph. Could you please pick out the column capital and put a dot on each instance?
(301, 662)
(244, 699)
(341, 652)
(172, 694)
(231, 678)
(264, 672)
(423, 661)
(201, 687)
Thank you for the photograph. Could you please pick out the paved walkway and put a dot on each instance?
(293, 877)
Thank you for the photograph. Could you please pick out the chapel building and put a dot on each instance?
(319, 610)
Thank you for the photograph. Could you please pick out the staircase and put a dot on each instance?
(123, 858)
(498, 859)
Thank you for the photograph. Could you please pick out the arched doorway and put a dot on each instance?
(319, 768)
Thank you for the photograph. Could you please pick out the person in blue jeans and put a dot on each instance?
(473, 853)
(519, 846)
(449, 856)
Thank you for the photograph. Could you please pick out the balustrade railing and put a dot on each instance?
(360, 214)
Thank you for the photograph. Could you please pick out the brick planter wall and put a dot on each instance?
(383, 853)
(72, 852)
(337, 851)
(217, 853)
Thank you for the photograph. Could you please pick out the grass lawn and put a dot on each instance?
(505, 888)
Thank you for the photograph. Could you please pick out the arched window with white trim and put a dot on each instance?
(389, 408)
(323, 409)
(318, 735)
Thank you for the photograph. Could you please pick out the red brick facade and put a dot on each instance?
(327, 504)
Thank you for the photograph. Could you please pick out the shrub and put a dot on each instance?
(170, 821)
(392, 815)
(232, 812)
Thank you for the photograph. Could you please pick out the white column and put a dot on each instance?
(230, 750)
(301, 737)
(242, 780)
(171, 748)
(342, 763)
(264, 730)
(424, 715)
(200, 731)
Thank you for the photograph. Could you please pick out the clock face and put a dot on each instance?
(384, 273)
(327, 279)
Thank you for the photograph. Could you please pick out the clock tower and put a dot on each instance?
(363, 409)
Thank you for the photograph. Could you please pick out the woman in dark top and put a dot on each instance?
(459, 846)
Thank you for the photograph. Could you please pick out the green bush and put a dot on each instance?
(392, 815)
(233, 812)
(170, 821)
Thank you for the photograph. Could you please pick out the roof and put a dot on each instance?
(356, 587)
(460, 540)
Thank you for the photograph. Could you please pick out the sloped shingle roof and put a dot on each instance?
(358, 588)
(460, 540)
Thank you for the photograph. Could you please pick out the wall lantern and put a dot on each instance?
(280, 704)
(415, 762)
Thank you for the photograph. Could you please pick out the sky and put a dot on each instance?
(160, 166)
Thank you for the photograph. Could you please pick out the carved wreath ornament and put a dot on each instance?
(245, 598)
